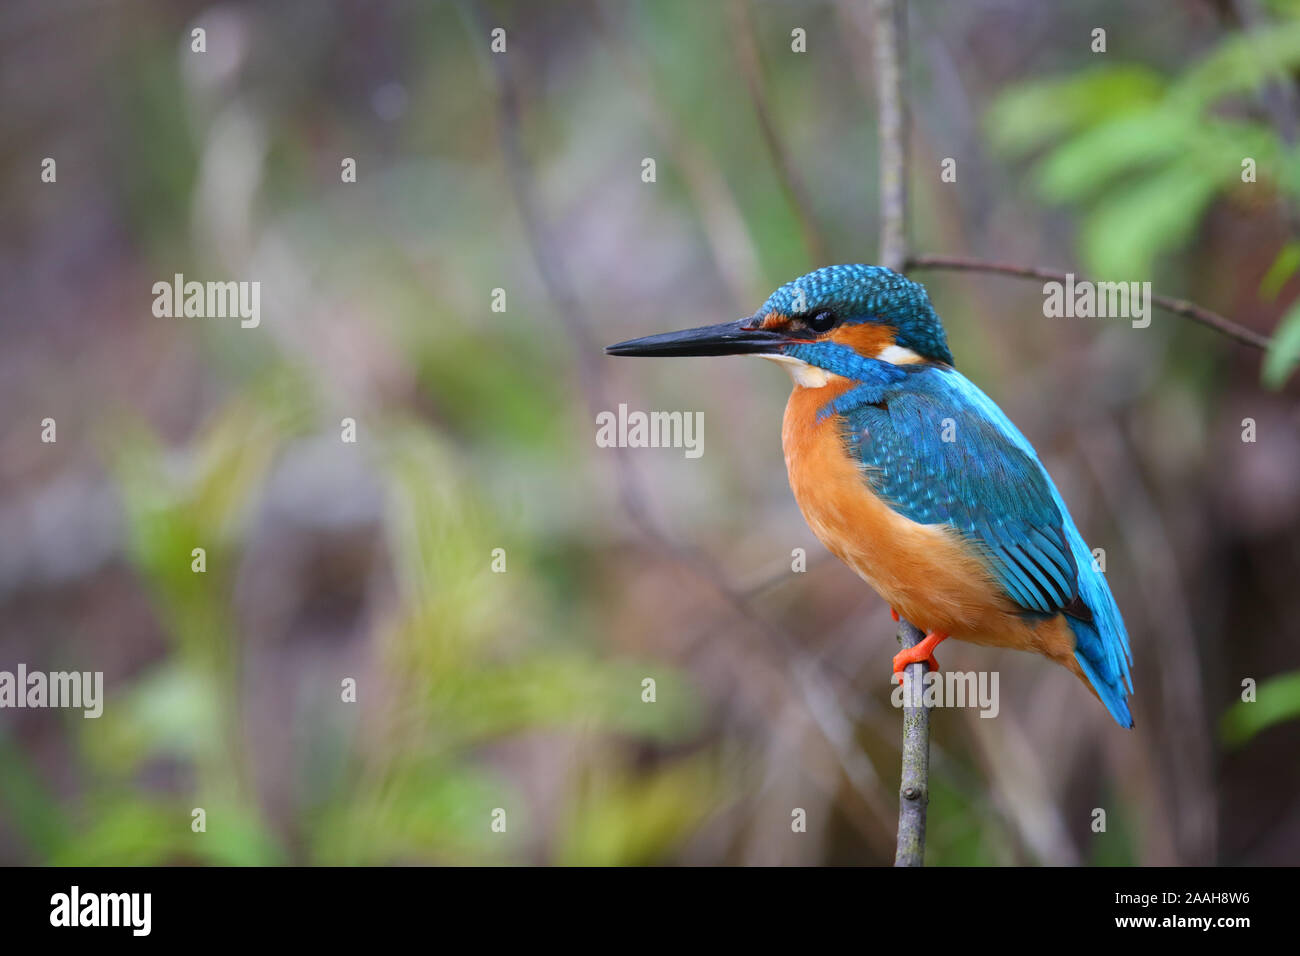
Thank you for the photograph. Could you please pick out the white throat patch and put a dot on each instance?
(803, 374)
(813, 376)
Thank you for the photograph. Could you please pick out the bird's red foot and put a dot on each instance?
(893, 614)
(924, 651)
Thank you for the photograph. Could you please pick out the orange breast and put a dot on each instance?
(926, 572)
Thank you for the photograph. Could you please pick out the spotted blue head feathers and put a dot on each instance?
(864, 293)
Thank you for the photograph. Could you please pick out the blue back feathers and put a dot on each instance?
(1101, 644)
(938, 462)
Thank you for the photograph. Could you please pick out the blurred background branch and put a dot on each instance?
(1188, 310)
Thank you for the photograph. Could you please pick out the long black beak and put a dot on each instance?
(729, 338)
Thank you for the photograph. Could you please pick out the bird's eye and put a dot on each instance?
(822, 321)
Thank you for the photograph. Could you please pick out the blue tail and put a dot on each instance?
(1101, 647)
(1107, 679)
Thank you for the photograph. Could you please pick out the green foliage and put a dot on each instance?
(1284, 352)
(1118, 845)
(621, 818)
(35, 815)
(962, 828)
(1144, 156)
(1032, 115)
(1283, 268)
(460, 671)
(1147, 154)
(1243, 62)
(461, 678)
(1277, 700)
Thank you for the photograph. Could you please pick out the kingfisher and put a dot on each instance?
(913, 477)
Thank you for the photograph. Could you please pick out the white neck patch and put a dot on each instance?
(813, 376)
(897, 355)
(803, 374)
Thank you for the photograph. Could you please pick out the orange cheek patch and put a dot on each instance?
(774, 320)
(865, 338)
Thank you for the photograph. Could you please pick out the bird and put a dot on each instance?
(913, 477)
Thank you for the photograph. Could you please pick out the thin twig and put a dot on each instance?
(1188, 310)
(889, 30)
(914, 787)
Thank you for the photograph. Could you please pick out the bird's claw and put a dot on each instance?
(901, 661)
(922, 652)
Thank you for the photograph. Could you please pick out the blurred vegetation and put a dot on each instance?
(1145, 155)
(406, 789)
(1276, 700)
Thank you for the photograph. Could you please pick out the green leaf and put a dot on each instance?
(1032, 115)
(172, 712)
(1125, 233)
(1282, 269)
(1090, 160)
(1243, 62)
(127, 828)
(1277, 700)
(1284, 352)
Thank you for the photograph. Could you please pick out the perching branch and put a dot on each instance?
(888, 33)
(1188, 310)
(914, 788)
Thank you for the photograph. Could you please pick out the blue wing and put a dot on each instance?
(940, 462)
(941, 452)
